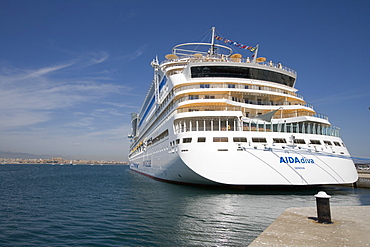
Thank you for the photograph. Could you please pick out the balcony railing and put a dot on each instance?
(239, 100)
(236, 86)
(322, 116)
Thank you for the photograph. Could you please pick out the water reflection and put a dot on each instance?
(219, 217)
(48, 205)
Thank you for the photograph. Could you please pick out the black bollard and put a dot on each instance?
(323, 207)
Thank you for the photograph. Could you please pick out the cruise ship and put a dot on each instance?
(215, 117)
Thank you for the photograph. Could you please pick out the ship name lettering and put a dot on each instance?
(294, 160)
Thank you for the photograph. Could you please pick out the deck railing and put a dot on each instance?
(221, 58)
(234, 124)
(230, 86)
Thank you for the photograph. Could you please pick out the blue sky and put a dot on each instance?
(71, 72)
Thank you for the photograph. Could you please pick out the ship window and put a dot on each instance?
(241, 72)
(204, 85)
(328, 143)
(220, 139)
(148, 108)
(239, 139)
(299, 141)
(161, 136)
(315, 142)
(177, 141)
(231, 85)
(193, 97)
(259, 139)
(201, 139)
(209, 96)
(337, 144)
(343, 144)
(163, 82)
(279, 140)
(186, 140)
(246, 87)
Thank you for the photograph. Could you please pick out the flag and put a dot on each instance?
(237, 44)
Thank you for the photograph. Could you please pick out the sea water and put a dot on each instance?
(84, 205)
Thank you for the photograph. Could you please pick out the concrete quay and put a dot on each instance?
(363, 180)
(298, 227)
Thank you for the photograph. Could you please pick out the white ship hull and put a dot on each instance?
(230, 163)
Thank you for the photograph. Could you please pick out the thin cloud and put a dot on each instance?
(340, 97)
(29, 97)
(16, 75)
(55, 140)
(45, 71)
(21, 118)
(120, 105)
(85, 122)
(52, 108)
(130, 15)
(111, 134)
(93, 58)
(133, 55)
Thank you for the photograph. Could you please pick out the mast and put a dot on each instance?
(212, 51)
(255, 54)
(156, 79)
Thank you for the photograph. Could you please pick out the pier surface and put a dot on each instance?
(297, 227)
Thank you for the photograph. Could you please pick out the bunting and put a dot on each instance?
(237, 44)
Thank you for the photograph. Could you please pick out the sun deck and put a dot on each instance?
(181, 61)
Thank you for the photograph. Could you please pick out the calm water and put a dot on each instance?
(46, 205)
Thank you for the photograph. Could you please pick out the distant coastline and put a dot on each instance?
(60, 161)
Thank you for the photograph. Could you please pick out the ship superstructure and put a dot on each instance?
(214, 117)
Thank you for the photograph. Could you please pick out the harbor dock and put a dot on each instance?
(298, 227)
(363, 180)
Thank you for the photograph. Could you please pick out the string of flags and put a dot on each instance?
(237, 44)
